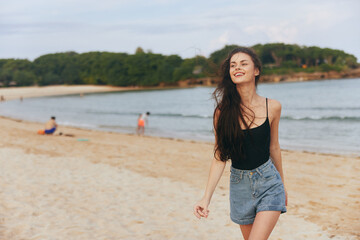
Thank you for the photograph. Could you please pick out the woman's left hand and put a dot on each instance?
(286, 197)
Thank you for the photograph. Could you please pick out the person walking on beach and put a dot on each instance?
(142, 121)
(246, 132)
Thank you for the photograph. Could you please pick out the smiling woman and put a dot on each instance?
(242, 69)
(257, 191)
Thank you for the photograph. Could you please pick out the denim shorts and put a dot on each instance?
(253, 191)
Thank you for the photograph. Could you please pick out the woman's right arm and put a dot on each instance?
(216, 171)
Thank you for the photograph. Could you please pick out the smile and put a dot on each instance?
(239, 74)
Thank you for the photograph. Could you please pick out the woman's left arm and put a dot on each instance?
(275, 152)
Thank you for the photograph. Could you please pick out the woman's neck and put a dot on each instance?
(248, 94)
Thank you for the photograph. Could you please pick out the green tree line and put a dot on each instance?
(149, 69)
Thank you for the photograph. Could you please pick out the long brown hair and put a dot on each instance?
(228, 110)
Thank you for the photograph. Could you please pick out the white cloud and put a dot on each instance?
(218, 42)
(172, 27)
(224, 38)
(283, 32)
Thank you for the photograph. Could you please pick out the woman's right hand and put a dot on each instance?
(201, 208)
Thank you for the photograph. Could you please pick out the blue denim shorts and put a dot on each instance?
(253, 191)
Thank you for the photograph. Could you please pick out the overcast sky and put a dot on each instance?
(31, 28)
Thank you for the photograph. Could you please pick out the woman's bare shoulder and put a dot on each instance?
(274, 109)
(274, 104)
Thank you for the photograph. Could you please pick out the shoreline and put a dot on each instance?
(15, 93)
(351, 155)
(279, 78)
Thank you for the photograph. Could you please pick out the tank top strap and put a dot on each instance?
(266, 108)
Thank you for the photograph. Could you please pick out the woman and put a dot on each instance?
(246, 131)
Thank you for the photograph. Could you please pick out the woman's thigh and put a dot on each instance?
(263, 225)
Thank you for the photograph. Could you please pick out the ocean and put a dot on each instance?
(317, 116)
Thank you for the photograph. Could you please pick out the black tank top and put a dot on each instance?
(256, 146)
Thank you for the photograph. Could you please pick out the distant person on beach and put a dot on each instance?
(50, 127)
(2, 98)
(142, 121)
(246, 133)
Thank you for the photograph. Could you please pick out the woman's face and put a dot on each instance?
(242, 68)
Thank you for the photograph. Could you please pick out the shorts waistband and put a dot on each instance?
(259, 169)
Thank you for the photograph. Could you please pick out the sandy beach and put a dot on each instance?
(28, 92)
(102, 185)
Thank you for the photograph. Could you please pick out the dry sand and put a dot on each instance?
(118, 186)
(27, 92)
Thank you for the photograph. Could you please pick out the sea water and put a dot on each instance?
(321, 116)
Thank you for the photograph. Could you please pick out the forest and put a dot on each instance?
(150, 69)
